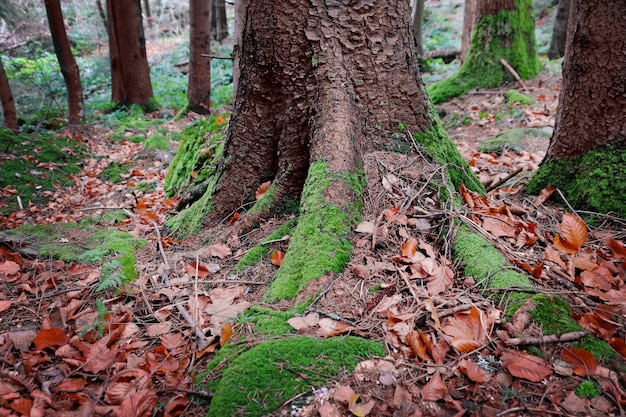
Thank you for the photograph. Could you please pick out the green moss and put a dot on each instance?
(266, 202)
(113, 173)
(599, 348)
(508, 35)
(511, 139)
(269, 323)
(157, 142)
(318, 245)
(191, 219)
(595, 180)
(261, 379)
(262, 250)
(514, 96)
(587, 389)
(115, 241)
(489, 267)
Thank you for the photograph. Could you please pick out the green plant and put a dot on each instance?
(587, 389)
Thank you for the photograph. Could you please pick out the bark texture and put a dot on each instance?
(129, 63)
(587, 151)
(199, 87)
(67, 63)
(219, 24)
(6, 98)
(559, 31)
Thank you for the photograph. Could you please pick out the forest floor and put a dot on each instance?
(68, 347)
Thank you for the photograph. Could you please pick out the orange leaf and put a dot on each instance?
(435, 389)
(409, 247)
(544, 194)
(618, 249)
(141, 207)
(9, 267)
(53, 337)
(619, 345)
(262, 190)
(227, 332)
(583, 361)
(233, 219)
(417, 345)
(523, 365)
(22, 405)
(203, 271)
(573, 233)
(138, 404)
(277, 257)
(5, 305)
(471, 370)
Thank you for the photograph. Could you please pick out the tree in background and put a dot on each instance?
(130, 73)
(417, 13)
(502, 30)
(559, 31)
(321, 84)
(67, 63)
(587, 151)
(219, 24)
(199, 87)
(6, 98)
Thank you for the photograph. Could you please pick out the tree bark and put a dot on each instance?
(470, 18)
(129, 63)
(219, 24)
(240, 17)
(418, 20)
(199, 87)
(67, 63)
(559, 31)
(504, 29)
(147, 13)
(6, 98)
(587, 150)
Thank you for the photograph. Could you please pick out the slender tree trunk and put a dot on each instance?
(103, 14)
(470, 17)
(418, 20)
(219, 24)
(68, 65)
(129, 64)
(147, 13)
(8, 104)
(588, 149)
(559, 32)
(199, 87)
(240, 17)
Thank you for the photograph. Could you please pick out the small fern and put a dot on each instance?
(109, 276)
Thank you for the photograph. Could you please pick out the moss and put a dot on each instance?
(268, 322)
(318, 245)
(489, 267)
(595, 180)
(266, 202)
(260, 380)
(514, 96)
(157, 142)
(508, 35)
(191, 219)
(511, 139)
(587, 389)
(262, 250)
(113, 173)
(115, 241)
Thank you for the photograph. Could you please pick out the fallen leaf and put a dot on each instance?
(9, 267)
(138, 404)
(583, 362)
(544, 195)
(409, 247)
(365, 227)
(262, 190)
(5, 305)
(277, 257)
(193, 268)
(522, 365)
(47, 338)
(435, 389)
(219, 250)
(227, 332)
(573, 234)
(472, 371)
(358, 408)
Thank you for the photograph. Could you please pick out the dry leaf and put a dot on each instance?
(545, 194)
(472, 371)
(219, 250)
(262, 190)
(583, 362)
(226, 333)
(358, 408)
(9, 267)
(277, 257)
(192, 268)
(50, 338)
(435, 389)
(523, 365)
(573, 234)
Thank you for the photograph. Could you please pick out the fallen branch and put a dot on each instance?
(553, 338)
(513, 72)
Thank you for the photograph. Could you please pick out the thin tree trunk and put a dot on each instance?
(147, 13)
(68, 65)
(199, 86)
(470, 17)
(103, 14)
(559, 32)
(418, 20)
(6, 98)
(240, 17)
(219, 24)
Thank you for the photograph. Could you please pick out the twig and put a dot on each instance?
(217, 57)
(512, 71)
(553, 338)
(505, 179)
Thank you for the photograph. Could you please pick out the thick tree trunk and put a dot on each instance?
(129, 64)
(199, 87)
(67, 63)
(6, 98)
(587, 151)
(219, 24)
(559, 31)
(504, 29)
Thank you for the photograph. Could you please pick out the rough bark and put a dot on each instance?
(67, 63)
(469, 21)
(587, 151)
(6, 98)
(504, 29)
(199, 86)
(559, 31)
(129, 63)
(219, 24)
(240, 17)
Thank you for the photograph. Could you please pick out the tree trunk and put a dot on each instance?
(418, 20)
(219, 24)
(470, 18)
(129, 64)
(199, 87)
(559, 31)
(240, 17)
(321, 84)
(67, 63)
(6, 98)
(147, 13)
(504, 29)
(587, 153)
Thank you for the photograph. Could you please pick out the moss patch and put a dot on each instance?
(191, 219)
(261, 379)
(514, 96)
(508, 35)
(318, 245)
(595, 180)
(114, 172)
(262, 250)
(511, 139)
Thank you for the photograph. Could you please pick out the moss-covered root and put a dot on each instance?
(595, 180)
(318, 244)
(261, 379)
(489, 267)
(508, 35)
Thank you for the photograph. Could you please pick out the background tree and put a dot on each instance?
(504, 29)
(199, 88)
(6, 98)
(417, 10)
(321, 84)
(559, 30)
(130, 73)
(67, 63)
(219, 23)
(587, 152)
